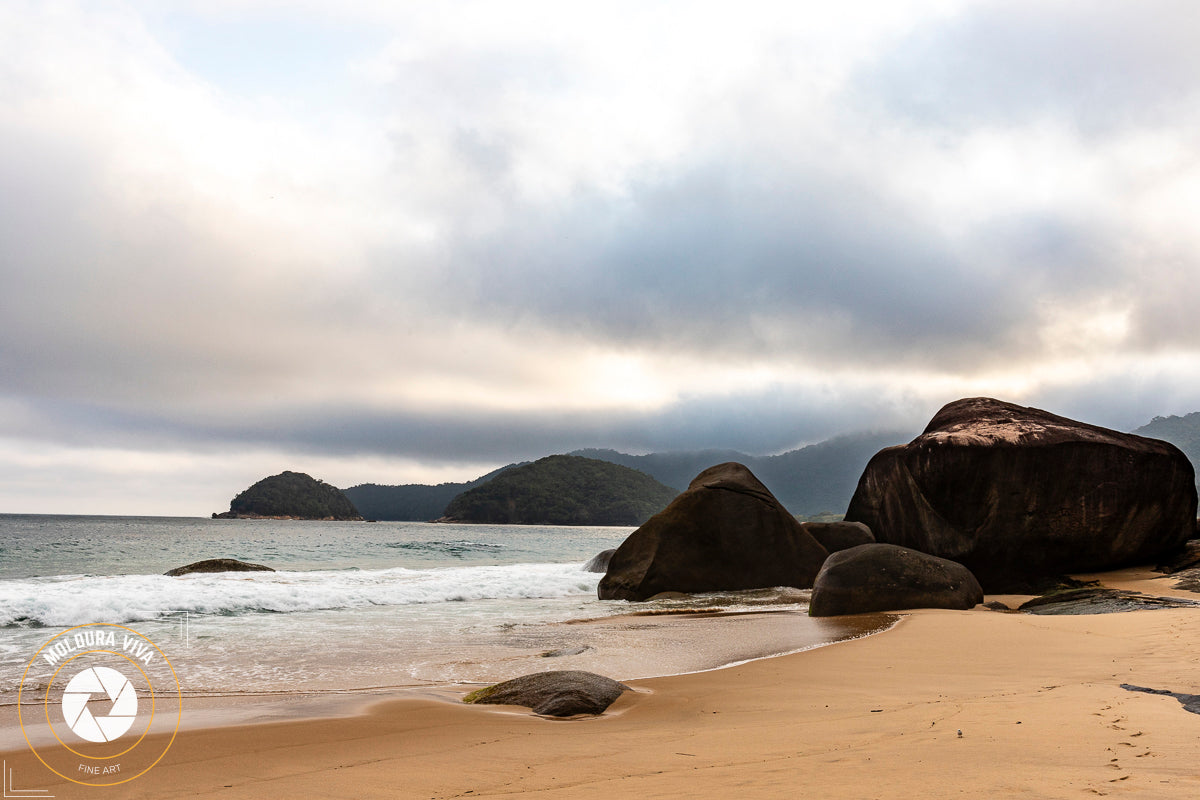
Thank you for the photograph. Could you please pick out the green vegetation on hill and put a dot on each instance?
(293, 494)
(413, 501)
(817, 479)
(563, 490)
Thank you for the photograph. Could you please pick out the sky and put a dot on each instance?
(409, 242)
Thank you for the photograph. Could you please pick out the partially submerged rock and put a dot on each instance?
(559, 693)
(885, 577)
(1014, 493)
(599, 562)
(835, 536)
(726, 532)
(565, 651)
(218, 565)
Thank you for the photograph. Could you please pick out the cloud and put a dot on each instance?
(496, 231)
(1099, 66)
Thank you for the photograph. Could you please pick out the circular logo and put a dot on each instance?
(99, 704)
(99, 681)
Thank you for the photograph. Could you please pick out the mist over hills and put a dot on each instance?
(808, 481)
(1183, 432)
(813, 479)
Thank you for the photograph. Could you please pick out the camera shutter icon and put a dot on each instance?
(99, 681)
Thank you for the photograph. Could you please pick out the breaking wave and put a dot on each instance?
(78, 599)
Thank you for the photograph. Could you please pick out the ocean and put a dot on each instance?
(364, 607)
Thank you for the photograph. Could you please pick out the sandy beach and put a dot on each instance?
(1038, 701)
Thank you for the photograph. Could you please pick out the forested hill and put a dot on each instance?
(563, 490)
(292, 495)
(414, 502)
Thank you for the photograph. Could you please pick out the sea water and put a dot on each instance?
(368, 606)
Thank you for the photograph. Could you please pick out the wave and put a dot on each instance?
(456, 548)
(79, 599)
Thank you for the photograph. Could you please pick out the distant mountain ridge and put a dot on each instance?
(808, 481)
(816, 479)
(1183, 432)
(412, 502)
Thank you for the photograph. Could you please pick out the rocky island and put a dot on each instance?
(291, 495)
(563, 490)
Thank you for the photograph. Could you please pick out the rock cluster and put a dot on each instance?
(1015, 494)
(990, 496)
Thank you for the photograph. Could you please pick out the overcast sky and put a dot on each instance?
(404, 242)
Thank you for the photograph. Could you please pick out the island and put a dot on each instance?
(291, 495)
(563, 490)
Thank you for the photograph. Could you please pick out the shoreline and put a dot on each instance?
(1039, 701)
(206, 709)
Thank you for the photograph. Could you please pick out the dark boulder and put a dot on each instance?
(1186, 557)
(834, 536)
(218, 565)
(885, 577)
(1017, 493)
(726, 532)
(599, 562)
(560, 693)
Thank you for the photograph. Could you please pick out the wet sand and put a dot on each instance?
(1038, 701)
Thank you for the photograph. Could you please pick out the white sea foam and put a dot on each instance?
(79, 599)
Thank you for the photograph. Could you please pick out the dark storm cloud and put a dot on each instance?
(759, 422)
(752, 258)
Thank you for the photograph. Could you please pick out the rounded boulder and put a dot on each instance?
(725, 533)
(886, 577)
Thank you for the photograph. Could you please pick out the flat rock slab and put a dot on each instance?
(1099, 600)
(559, 693)
(1191, 702)
(1189, 580)
(218, 565)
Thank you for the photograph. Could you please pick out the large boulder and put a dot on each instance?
(726, 532)
(1016, 494)
(218, 565)
(835, 536)
(559, 693)
(885, 577)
